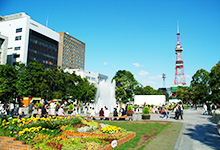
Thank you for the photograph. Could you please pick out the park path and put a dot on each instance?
(199, 132)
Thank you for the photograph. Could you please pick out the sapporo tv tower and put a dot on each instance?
(179, 79)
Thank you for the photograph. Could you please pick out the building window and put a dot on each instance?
(17, 48)
(17, 38)
(18, 30)
(17, 56)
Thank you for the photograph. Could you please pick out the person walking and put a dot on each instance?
(30, 109)
(11, 109)
(209, 109)
(165, 113)
(180, 113)
(205, 109)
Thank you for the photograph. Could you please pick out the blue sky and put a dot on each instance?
(134, 35)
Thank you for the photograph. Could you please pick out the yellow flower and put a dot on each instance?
(7, 122)
(51, 130)
(11, 132)
(6, 126)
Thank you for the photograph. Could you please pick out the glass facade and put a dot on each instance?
(42, 49)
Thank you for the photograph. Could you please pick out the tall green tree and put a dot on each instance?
(24, 85)
(7, 82)
(125, 85)
(200, 86)
(215, 83)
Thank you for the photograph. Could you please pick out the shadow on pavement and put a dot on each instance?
(206, 134)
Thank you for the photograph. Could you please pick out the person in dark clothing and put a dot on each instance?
(115, 113)
(101, 113)
(123, 113)
(43, 114)
(4, 115)
(180, 113)
(209, 109)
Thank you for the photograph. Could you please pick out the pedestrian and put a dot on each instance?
(20, 113)
(213, 107)
(180, 113)
(30, 109)
(101, 113)
(60, 111)
(165, 112)
(205, 109)
(44, 111)
(4, 115)
(209, 109)
(115, 113)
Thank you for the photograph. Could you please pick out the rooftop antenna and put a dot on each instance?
(47, 21)
(178, 27)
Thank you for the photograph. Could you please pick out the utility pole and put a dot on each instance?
(164, 77)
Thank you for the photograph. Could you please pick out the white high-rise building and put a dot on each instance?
(29, 40)
(3, 49)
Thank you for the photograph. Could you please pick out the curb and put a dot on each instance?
(179, 137)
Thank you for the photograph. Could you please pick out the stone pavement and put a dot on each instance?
(199, 132)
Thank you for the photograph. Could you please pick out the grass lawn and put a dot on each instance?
(149, 134)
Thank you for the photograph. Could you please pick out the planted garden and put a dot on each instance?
(62, 132)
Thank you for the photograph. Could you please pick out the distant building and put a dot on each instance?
(93, 78)
(29, 40)
(3, 49)
(71, 52)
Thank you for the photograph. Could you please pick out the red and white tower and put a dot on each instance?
(179, 79)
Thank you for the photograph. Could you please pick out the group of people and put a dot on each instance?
(209, 109)
(116, 113)
(12, 109)
(178, 110)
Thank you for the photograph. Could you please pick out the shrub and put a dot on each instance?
(39, 105)
(152, 105)
(71, 107)
(135, 105)
(58, 104)
(79, 104)
(129, 108)
(146, 111)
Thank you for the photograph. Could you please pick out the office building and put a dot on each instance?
(93, 78)
(71, 52)
(29, 40)
(3, 49)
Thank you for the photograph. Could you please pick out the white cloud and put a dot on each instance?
(159, 77)
(105, 63)
(188, 76)
(143, 73)
(137, 64)
(149, 82)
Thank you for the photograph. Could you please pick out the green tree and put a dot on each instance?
(183, 93)
(24, 85)
(200, 86)
(36, 71)
(125, 85)
(7, 82)
(215, 83)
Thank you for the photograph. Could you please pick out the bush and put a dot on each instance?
(39, 105)
(71, 107)
(146, 111)
(152, 105)
(79, 104)
(129, 108)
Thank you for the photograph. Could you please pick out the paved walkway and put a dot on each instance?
(199, 132)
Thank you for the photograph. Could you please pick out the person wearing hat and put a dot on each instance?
(30, 108)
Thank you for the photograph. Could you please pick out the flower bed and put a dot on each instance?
(62, 133)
